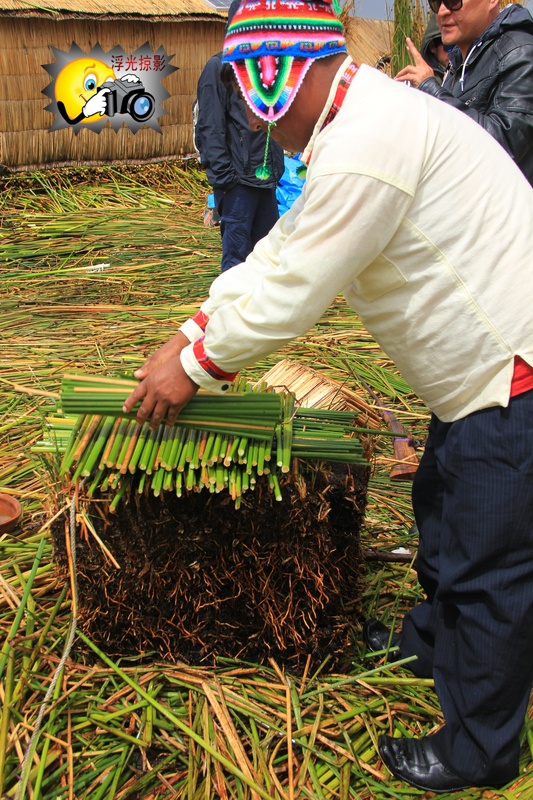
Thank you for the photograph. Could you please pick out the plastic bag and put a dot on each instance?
(290, 184)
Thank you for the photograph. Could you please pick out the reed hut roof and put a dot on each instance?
(368, 40)
(155, 10)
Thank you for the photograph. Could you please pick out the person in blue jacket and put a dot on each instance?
(243, 166)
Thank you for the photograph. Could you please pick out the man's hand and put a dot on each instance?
(417, 72)
(163, 393)
(169, 350)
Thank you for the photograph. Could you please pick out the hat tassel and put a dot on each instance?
(264, 172)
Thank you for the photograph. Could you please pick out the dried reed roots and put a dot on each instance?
(196, 580)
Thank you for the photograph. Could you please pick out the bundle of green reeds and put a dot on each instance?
(212, 548)
(218, 443)
(239, 413)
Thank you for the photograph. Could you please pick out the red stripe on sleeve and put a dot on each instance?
(209, 366)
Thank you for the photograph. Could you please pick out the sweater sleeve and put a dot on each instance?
(294, 274)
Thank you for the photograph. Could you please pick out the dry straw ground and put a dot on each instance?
(98, 268)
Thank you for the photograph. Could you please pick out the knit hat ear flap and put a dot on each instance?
(269, 83)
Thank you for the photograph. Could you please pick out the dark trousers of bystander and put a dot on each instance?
(473, 503)
(247, 214)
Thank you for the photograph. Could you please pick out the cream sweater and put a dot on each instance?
(423, 222)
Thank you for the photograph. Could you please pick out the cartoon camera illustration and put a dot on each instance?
(127, 97)
(87, 89)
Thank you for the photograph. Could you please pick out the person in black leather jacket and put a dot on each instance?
(231, 154)
(490, 76)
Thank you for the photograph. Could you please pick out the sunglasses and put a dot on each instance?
(451, 5)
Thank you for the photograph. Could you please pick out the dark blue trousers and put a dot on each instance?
(473, 503)
(247, 213)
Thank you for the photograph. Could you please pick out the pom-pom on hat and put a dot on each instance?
(272, 43)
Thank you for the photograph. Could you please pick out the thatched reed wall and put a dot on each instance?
(25, 140)
(187, 29)
(369, 40)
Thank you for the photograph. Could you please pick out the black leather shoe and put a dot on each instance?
(414, 761)
(378, 637)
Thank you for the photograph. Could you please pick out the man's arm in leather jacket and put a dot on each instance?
(508, 116)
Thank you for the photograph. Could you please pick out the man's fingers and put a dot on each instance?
(150, 363)
(135, 397)
(172, 414)
(148, 409)
(143, 371)
(403, 74)
(168, 351)
(158, 414)
(413, 51)
(164, 391)
(146, 412)
(417, 72)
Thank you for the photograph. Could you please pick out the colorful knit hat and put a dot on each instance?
(272, 43)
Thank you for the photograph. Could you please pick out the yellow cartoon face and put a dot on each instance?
(77, 83)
